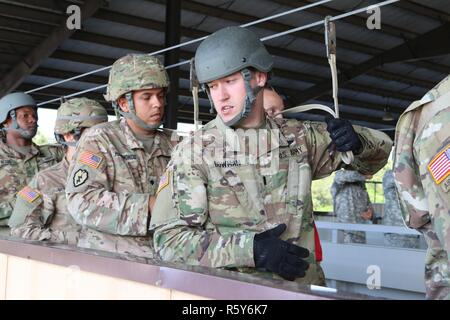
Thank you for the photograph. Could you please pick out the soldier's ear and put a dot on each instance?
(261, 78)
(123, 104)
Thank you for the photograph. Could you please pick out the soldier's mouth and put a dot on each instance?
(156, 116)
(227, 110)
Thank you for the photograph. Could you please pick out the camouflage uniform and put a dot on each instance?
(16, 170)
(115, 173)
(45, 216)
(393, 215)
(350, 199)
(221, 204)
(110, 193)
(422, 137)
(41, 211)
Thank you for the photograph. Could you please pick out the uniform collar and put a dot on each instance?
(161, 144)
(9, 152)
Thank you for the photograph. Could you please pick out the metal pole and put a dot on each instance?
(173, 31)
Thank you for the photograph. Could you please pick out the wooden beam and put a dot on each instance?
(43, 50)
(404, 51)
(194, 33)
(293, 75)
(238, 17)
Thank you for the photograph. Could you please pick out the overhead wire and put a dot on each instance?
(273, 36)
(278, 15)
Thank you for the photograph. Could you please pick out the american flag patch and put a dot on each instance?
(91, 159)
(164, 182)
(439, 167)
(28, 194)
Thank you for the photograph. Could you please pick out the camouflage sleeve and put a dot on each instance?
(7, 202)
(90, 198)
(11, 180)
(31, 220)
(432, 153)
(376, 147)
(182, 232)
(26, 220)
(58, 152)
(410, 190)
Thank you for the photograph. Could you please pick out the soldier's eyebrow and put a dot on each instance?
(149, 94)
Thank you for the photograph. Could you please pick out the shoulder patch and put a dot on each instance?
(91, 159)
(28, 194)
(439, 167)
(164, 181)
(80, 177)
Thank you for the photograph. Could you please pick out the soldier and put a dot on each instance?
(392, 216)
(40, 212)
(351, 202)
(252, 212)
(273, 103)
(20, 158)
(422, 176)
(117, 165)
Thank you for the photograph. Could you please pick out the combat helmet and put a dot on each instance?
(74, 115)
(227, 51)
(135, 72)
(8, 106)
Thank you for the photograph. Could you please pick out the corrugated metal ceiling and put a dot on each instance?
(122, 27)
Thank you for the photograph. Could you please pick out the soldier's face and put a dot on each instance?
(149, 105)
(228, 93)
(273, 104)
(26, 119)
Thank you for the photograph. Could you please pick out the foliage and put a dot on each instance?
(40, 138)
(321, 196)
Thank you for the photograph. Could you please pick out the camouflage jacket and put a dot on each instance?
(392, 213)
(350, 197)
(422, 145)
(40, 212)
(109, 185)
(221, 203)
(16, 170)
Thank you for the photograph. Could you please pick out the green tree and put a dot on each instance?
(40, 138)
(321, 195)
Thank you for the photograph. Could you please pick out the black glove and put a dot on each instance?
(343, 135)
(276, 255)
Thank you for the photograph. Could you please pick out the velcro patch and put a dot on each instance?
(164, 181)
(91, 159)
(29, 194)
(439, 167)
(80, 177)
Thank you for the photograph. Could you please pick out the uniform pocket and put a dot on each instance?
(234, 197)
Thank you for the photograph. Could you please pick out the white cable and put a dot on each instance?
(102, 86)
(276, 35)
(185, 44)
(318, 23)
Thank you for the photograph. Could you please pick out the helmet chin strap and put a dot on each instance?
(26, 134)
(250, 98)
(132, 114)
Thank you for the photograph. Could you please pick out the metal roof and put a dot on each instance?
(379, 69)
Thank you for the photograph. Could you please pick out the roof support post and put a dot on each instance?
(173, 31)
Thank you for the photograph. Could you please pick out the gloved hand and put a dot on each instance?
(279, 256)
(343, 135)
